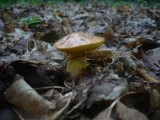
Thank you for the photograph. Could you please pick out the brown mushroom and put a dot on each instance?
(75, 45)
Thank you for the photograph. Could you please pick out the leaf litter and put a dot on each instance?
(120, 82)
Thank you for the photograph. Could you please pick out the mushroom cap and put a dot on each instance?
(78, 42)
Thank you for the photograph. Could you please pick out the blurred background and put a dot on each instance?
(6, 3)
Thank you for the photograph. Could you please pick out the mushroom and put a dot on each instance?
(75, 45)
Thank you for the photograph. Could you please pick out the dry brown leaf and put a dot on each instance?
(120, 111)
(25, 97)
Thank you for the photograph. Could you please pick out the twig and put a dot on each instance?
(146, 76)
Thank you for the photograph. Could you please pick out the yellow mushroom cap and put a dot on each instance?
(78, 42)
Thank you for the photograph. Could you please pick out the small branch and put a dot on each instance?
(146, 76)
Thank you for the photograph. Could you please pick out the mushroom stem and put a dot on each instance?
(76, 65)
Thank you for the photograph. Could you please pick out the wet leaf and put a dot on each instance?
(50, 37)
(151, 61)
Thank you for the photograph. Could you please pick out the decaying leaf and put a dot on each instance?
(106, 89)
(151, 62)
(25, 98)
(22, 95)
(118, 110)
(154, 99)
(98, 94)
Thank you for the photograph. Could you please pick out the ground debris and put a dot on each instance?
(121, 81)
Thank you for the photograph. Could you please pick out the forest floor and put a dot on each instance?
(120, 82)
